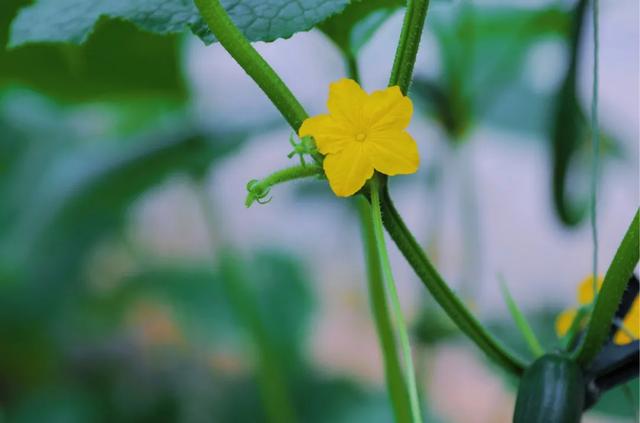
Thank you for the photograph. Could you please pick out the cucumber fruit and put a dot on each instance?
(552, 390)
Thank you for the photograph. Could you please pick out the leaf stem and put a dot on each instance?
(396, 384)
(378, 232)
(408, 44)
(441, 292)
(613, 286)
(250, 60)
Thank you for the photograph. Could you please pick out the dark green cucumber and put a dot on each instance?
(552, 390)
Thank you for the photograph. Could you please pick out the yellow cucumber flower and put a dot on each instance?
(585, 296)
(362, 133)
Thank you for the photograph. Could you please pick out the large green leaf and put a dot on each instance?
(73, 21)
(118, 62)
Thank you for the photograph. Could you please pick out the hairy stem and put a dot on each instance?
(250, 60)
(396, 384)
(613, 286)
(441, 292)
(408, 44)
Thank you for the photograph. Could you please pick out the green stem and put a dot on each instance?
(595, 137)
(613, 286)
(259, 189)
(396, 384)
(408, 44)
(378, 232)
(352, 66)
(441, 292)
(521, 321)
(272, 383)
(250, 60)
(573, 334)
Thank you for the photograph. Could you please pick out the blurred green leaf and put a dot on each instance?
(73, 21)
(482, 53)
(75, 200)
(569, 130)
(355, 25)
(433, 325)
(118, 62)
(56, 404)
(618, 402)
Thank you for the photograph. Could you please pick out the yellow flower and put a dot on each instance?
(362, 133)
(585, 297)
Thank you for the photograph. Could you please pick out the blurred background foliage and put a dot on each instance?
(94, 327)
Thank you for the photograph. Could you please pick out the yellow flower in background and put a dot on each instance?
(362, 133)
(585, 297)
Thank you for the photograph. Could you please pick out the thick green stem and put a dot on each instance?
(407, 49)
(396, 384)
(259, 189)
(250, 60)
(613, 286)
(378, 232)
(441, 292)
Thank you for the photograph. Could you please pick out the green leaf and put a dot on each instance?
(482, 51)
(118, 62)
(570, 131)
(620, 401)
(352, 28)
(73, 21)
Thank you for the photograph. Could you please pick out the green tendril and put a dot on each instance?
(613, 286)
(250, 60)
(385, 265)
(407, 49)
(259, 189)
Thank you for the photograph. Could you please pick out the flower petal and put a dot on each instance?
(631, 325)
(388, 109)
(393, 152)
(330, 135)
(585, 290)
(348, 170)
(564, 321)
(346, 99)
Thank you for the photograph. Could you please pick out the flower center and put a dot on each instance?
(361, 137)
